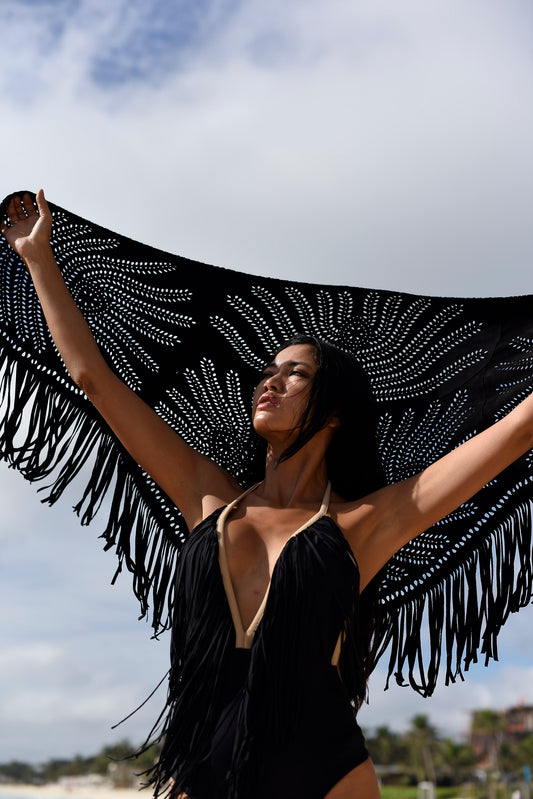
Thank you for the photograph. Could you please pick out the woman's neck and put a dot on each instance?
(301, 479)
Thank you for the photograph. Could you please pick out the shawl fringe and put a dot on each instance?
(461, 615)
(49, 433)
(200, 644)
(185, 334)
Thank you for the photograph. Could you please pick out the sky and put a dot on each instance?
(376, 143)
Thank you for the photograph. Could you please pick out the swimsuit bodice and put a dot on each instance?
(313, 594)
(244, 636)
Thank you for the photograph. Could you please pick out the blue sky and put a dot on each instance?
(375, 143)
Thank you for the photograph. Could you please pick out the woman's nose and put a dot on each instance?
(272, 383)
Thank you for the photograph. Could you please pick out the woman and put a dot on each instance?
(220, 683)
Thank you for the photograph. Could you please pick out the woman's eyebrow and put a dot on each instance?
(275, 365)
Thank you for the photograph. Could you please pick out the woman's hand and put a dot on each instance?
(29, 229)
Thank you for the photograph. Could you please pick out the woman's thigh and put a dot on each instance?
(360, 783)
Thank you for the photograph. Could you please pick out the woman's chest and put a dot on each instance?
(252, 545)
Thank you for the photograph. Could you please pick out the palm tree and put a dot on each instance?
(422, 738)
(486, 730)
(457, 760)
(386, 747)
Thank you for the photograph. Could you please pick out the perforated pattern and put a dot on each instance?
(190, 339)
(212, 414)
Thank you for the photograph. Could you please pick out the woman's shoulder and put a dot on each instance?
(356, 519)
(225, 493)
(346, 513)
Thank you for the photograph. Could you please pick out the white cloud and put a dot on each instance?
(373, 143)
(13, 495)
(74, 660)
(393, 148)
(28, 656)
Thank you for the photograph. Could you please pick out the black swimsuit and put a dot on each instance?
(270, 716)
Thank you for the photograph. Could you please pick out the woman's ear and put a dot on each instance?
(334, 422)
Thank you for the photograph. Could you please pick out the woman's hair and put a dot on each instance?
(341, 389)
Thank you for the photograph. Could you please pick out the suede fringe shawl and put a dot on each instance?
(190, 339)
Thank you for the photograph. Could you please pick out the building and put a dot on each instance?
(490, 728)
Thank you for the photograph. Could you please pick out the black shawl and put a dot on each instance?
(190, 339)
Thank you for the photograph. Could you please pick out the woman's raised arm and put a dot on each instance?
(192, 481)
(386, 520)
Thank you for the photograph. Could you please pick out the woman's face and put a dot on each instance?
(281, 395)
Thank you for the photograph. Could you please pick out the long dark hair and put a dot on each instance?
(341, 389)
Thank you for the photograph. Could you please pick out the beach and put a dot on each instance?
(66, 789)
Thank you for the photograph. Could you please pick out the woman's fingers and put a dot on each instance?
(42, 205)
(18, 210)
(21, 208)
(10, 213)
(29, 205)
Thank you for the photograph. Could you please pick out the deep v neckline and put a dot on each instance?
(244, 636)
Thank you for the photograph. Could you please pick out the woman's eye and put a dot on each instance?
(297, 372)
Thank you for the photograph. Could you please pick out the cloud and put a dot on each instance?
(381, 145)
(13, 495)
(72, 682)
(82, 43)
(145, 42)
(74, 658)
(28, 656)
(60, 700)
(370, 143)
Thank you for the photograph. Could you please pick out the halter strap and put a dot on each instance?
(244, 637)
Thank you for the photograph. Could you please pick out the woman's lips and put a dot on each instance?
(267, 401)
